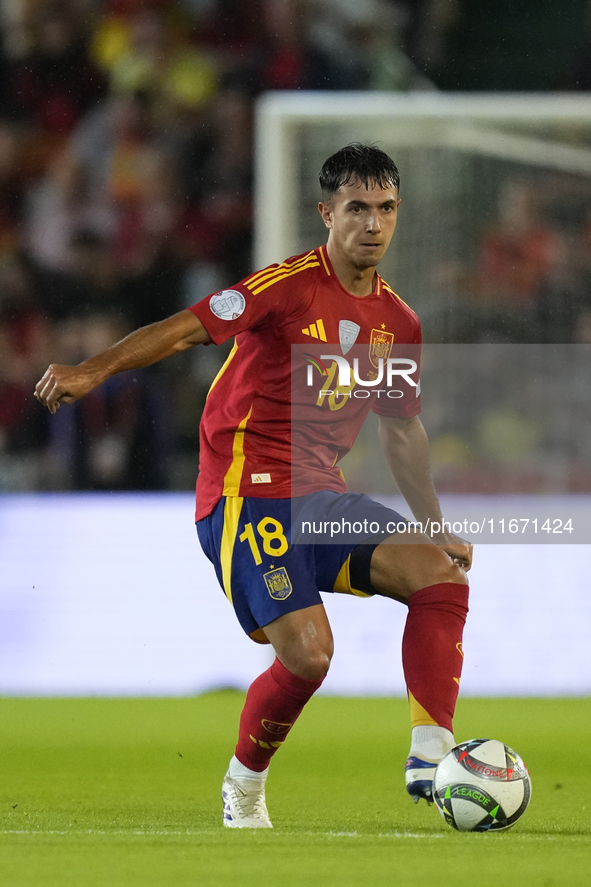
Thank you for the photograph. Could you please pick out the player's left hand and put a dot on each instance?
(457, 548)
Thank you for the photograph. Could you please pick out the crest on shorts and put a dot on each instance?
(348, 332)
(380, 346)
(278, 584)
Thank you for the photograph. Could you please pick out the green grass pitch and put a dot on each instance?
(126, 792)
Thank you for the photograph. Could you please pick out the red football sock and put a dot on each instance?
(273, 703)
(432, 652)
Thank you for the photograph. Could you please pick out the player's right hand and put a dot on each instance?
(62, 384)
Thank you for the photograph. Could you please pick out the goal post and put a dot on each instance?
(457, 154)
(476, 171)
(534, 129)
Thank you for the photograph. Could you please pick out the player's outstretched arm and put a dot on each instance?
(406, 447)
(147, 345)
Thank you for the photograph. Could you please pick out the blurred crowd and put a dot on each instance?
(126, 194)
(525, 272)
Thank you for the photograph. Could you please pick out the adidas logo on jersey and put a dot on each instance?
(260, 478)
(316, 330)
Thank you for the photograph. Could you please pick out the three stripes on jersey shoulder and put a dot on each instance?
(268, 276)
(389, 289)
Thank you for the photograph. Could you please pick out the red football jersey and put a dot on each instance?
(263, 432)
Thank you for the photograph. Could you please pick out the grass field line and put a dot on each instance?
(175, 833)
(200, 832)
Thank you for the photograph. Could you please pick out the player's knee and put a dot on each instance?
(314, 666)
(436, 568)
(453, 573)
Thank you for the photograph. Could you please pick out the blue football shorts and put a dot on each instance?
(266, 570)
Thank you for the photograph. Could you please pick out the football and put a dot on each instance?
(481, 785)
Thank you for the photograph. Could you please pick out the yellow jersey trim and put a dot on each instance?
(324, 262)
(232, 509)
(234, 472)
(269, 271)
(311, 263)
(224, 367)
(390, 290)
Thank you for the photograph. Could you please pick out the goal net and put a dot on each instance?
(477, 172)
(492, 246)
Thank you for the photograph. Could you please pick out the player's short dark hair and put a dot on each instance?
(365, 163)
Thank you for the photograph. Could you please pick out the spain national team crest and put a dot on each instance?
(274, 727)
(380, 346)
(278, 584)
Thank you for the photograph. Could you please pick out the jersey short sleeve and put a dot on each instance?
(257, 301)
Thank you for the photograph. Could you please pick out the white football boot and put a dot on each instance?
(419, 778)
(244, 801)
(429, 744)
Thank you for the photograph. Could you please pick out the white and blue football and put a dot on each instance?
(481, 785)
